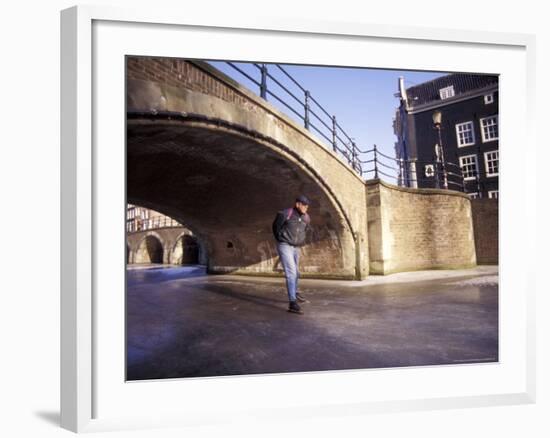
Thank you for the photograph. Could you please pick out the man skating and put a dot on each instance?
(289, 229)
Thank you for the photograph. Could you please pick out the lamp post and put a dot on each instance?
(436, 118)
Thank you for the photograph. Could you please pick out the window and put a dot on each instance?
(493, 194)
(489, 128)
(489, 98)
(446, 92)
(468, 164)
(474, 195)
(465, 134)
(491, 163)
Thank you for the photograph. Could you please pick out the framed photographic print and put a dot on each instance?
(237, 226)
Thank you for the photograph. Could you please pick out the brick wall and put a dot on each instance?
(413, 229)
(485, 218)
(187, 74)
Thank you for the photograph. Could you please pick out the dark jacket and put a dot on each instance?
(291, 227)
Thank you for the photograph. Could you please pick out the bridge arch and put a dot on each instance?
(178, 254)
(150, 249)
(228, 183)
(211, 152)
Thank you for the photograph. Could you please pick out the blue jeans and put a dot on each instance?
(290, 257)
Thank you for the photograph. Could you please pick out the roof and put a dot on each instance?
(463, 83)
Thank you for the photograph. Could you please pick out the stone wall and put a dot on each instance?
(485, 218)
(169, 240)
(414, 229)
(194, 76)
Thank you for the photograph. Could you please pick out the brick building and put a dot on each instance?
(446, 128)
(140, 218)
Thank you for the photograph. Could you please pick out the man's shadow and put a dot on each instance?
(248, 297)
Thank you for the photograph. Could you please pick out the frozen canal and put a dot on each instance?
(184, 323)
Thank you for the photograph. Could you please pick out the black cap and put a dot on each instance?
(302, 199)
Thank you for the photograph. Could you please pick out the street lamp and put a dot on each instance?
(436, 118)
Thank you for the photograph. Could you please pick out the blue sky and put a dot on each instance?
(362, 99)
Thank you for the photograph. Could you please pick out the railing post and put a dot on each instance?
(375, 162)
(412, 174)
(437, 173)
(477, 183)
(441, 155)
(263, 86)
(334, 134)
(353, 155)
(306, 109)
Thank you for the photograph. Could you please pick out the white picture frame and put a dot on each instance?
(82, 315)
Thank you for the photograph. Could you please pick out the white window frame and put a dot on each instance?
(457, 127)
(447, 92)
(483, 138)
(474, 195)
(460, 161)
(489, 98)
(486, 154)
(493, 194)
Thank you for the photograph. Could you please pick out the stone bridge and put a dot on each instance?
(206, 151)
(170, 245)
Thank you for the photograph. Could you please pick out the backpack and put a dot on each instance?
(288, 214)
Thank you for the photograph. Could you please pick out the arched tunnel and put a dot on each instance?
(226, 184)
(187, 251)
(150, 250)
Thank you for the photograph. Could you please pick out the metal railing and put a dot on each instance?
(137, 224)
(415, 173)
(368, 163)
(304, 106)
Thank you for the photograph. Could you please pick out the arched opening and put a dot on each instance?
(150, 250)
(186, 251)
(227, 186)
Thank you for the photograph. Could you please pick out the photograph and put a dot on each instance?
(256, 220)
(287, 218)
